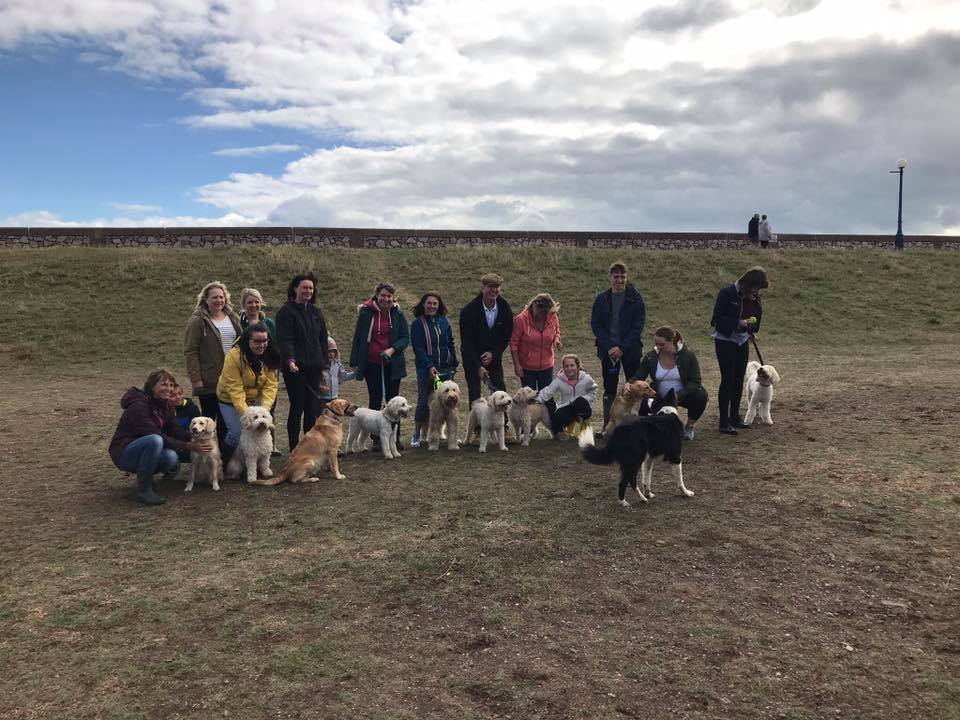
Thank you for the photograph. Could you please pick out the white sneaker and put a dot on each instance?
(415, 440)
(689, 433)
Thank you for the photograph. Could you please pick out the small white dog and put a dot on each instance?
(253, 452)
(760, 381)
(526, 415)
(489, 415)
(205, 466)
(382, 423)
(443, 404)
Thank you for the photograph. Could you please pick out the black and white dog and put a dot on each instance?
(634, 444)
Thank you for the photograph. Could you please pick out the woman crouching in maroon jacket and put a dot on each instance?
(148, 434)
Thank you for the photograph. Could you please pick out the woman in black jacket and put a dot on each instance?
(672, 366)
(736, 316)
(302, 341)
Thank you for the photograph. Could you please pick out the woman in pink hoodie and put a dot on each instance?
(536, 336)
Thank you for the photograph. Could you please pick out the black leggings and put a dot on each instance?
(695, 403)
(303, 402)
(732, 359)
(579, 409)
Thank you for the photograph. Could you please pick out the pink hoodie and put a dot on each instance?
(534, 348)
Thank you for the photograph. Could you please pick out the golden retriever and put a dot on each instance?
(205, 466)
(443, 404)
(320, 443)
(526, 414)
(628, 402)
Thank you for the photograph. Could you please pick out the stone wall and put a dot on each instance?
(362, 238)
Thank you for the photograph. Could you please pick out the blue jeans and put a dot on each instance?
(146, 457)
(537, 379)
(232, 420)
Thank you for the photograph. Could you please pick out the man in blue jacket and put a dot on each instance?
(617, 323)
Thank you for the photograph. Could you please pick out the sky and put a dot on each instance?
(446, 114)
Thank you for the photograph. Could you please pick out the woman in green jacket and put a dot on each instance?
(671, 366)
(211, 332)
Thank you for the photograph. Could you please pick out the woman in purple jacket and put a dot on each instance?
(148, 434)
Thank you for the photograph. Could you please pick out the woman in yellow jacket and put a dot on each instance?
(249, 377)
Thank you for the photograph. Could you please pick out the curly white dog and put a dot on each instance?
(444, 403)
(760, 381)
(253, 451)
(382, 423)
(489, 414)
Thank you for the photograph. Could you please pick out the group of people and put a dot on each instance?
(759, 231)
(234, 360)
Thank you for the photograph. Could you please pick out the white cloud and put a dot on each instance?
(48, 219)
(257, 150)
(682, 114)
(135, 208)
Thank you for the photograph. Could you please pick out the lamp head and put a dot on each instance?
(901, 164)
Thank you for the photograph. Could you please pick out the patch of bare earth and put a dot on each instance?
(813, 575)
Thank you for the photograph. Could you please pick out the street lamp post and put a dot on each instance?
(898, 240)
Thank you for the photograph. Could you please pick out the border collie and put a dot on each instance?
(638, 440)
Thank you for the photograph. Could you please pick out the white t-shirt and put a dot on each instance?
(668, 380)
(227, 334)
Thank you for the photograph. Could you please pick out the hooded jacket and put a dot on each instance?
(584, 387)
(399, 340)
(240, 386)
(433, 345)
(302, 335)
(534, 349)
(203, 349)
(145, 415)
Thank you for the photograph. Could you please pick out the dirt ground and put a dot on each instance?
(813, 575)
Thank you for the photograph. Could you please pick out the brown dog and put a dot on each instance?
(320, 443)
(628, 402)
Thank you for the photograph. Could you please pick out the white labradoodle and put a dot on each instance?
(526, 415)
(489, 415)
(443, 404)
(382, 423)
(205, 466)
(253, 451)
(760, 381)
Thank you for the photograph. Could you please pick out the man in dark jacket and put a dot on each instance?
(486, 324)
(617, 323)
(753, 229)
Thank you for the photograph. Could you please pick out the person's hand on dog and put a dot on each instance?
(200, 446)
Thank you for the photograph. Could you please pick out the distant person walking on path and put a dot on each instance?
(764, 232)
(736, 314)
(753, 229)
(617, 323)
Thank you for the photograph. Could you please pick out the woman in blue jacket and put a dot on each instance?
(431, 336)
(379, 339)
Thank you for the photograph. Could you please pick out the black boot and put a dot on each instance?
(607, 404)
(147, 494)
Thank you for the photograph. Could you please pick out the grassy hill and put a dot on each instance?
(72, 307)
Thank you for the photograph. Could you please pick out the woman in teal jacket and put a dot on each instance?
(434, 352)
